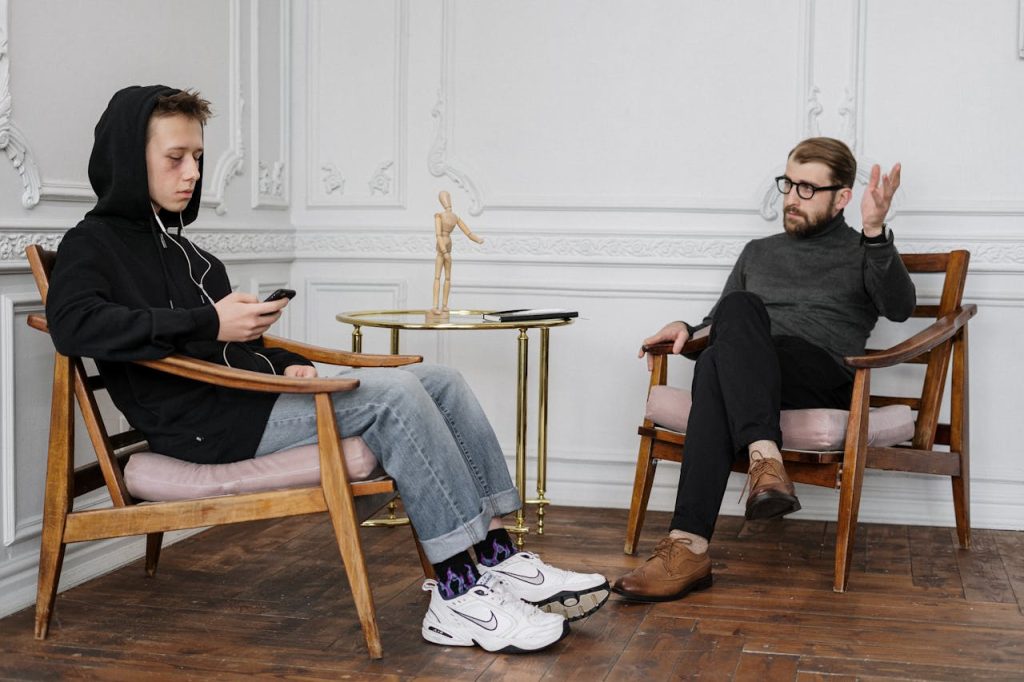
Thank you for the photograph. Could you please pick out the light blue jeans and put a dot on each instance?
(430, 434)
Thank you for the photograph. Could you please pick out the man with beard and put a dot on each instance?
(794, 304)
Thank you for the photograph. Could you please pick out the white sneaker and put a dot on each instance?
(491, 618)
(569, 594)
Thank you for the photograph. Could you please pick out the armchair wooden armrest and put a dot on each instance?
(941, 330)
(332, 356)
(219, 375)
(210, 373)
(694, 344)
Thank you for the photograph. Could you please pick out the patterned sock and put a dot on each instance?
(455, 575)
(496, 546)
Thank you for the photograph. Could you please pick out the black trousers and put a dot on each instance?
(740, 383)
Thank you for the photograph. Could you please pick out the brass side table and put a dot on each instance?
(397, 320)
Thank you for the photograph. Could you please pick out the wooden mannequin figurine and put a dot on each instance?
(444, 223)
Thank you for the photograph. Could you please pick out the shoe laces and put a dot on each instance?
(668, 547)
(759, 466)
(491, 586)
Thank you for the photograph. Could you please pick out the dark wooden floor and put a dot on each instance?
(270, 600)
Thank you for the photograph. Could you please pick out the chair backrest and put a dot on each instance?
(112, 451)
(953, 267)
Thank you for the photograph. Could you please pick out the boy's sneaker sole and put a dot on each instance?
(437, 635)
(575, 605)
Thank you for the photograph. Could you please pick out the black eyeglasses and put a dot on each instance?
(804, 190)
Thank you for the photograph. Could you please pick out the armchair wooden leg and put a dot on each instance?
(342, 510)
(854, 459)
(154, 542)
(960, 440)
(346, 532)
(51, 558)
(645, 467)
(59, 495)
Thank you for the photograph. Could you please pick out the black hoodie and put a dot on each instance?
(121, 291)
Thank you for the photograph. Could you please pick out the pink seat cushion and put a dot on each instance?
(818, 429)
(154, 477)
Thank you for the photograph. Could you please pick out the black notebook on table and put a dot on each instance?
(527, 314)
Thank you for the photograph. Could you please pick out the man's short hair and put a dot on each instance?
(186, 103)
(831, 152)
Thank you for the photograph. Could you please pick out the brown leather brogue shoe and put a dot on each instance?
(771, 491)
(671, 573)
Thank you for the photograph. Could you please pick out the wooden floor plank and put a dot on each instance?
(982, 570)
(271, 599)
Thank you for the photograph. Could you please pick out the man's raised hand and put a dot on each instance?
(878, 198)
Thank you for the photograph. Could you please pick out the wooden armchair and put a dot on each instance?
(62, 524)
(941, 343)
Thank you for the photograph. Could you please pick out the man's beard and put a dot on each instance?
(812, 224)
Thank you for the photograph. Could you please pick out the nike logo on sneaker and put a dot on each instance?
(537, 579)
(489, 624)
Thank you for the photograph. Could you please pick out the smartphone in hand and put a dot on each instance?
(280, 293)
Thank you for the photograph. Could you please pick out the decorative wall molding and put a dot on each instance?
(850, 111)
(1020, 29)
(812, 107)
(988, 253)
(240, 244)
(232, 161)
(270, 185)
(439, 162)
(332, 179)
(381, 179)
(12, 529)
(329, 194)
(279, 244)
(12, 140)
(13, 244)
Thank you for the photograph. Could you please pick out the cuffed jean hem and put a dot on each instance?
(468, 534)
(501, 503)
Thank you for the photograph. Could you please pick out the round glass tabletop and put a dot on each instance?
(425, 319)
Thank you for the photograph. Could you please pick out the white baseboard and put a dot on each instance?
(82, 562)
(886, 497)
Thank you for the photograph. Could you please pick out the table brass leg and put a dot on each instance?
(520, 530)
(392, 519)
(542, 432)
(357, 339)
(394, 342)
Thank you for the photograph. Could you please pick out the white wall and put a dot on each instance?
(616, 156)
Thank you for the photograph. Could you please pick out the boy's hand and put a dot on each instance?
(244, 318)
(300, 371)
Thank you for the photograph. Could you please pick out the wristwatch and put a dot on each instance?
(881, 238)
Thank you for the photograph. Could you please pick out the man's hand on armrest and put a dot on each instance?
(674, 332)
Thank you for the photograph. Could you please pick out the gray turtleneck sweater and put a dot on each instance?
(828, 289)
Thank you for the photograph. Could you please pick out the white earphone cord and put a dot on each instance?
(202, 278)
(188, 262)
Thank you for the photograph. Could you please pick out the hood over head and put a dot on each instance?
(117, 167)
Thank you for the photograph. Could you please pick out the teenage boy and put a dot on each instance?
(125, 288)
